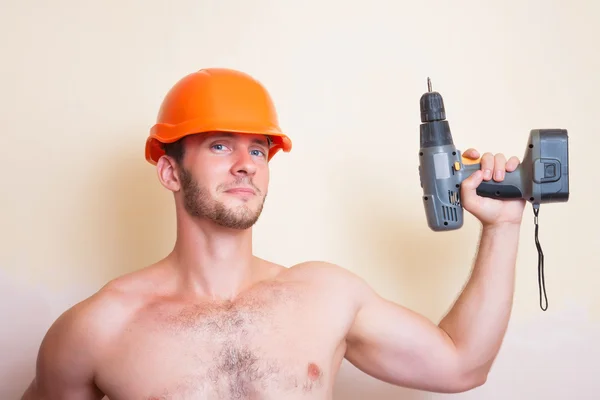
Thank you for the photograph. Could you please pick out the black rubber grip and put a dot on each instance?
(499, 191)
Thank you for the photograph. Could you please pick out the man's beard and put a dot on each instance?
(198, 203)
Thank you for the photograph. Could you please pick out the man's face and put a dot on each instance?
(225, 178)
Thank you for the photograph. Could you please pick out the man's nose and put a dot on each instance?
(244, 164)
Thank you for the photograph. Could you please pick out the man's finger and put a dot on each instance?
(512, 163)
(499, 167)
(487, 165)
(471, 153)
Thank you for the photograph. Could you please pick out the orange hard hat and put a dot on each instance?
(216, 99)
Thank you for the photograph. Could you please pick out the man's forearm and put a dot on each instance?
(478, 320)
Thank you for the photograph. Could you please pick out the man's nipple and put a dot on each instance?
(314, 372)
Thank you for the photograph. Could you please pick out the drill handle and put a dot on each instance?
(510, 188)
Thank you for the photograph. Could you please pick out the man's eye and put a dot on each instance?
(218, 147)
(258, 153)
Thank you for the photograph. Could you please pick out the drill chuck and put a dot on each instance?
(435, 130)
(432, 105)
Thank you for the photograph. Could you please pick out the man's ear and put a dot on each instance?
(168, 173)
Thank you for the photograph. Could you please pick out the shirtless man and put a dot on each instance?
(213, 321)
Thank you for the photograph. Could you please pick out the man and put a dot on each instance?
(213, 321)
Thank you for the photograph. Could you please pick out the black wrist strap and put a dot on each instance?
(541, 280)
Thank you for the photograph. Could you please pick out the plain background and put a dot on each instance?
(81, 84)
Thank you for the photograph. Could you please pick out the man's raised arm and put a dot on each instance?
(401, 347)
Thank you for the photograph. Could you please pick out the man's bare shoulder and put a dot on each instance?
(323, 269)
(138, 284)
(102, 316)
(103, 313)
(329, 275)
(73, 348)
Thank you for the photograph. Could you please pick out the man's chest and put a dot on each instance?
(270, 345)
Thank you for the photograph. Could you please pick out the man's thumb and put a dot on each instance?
(473, 181)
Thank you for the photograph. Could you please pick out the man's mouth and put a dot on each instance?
(241, 190)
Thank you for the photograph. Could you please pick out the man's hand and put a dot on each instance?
(490, 211)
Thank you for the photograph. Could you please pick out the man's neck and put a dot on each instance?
(213, 261)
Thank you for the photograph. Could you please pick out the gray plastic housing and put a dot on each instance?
(542, 177)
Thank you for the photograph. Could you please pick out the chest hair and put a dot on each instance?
(232, 336)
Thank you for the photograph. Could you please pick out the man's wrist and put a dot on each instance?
(502, 227)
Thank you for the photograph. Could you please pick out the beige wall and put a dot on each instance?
(81, 84)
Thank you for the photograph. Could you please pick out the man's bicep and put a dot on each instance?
(399, 346)
(65, 363)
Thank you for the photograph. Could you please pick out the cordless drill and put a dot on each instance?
(541, 177)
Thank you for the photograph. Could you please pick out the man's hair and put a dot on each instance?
(175, 150)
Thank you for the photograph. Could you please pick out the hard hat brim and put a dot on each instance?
(162, 133)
